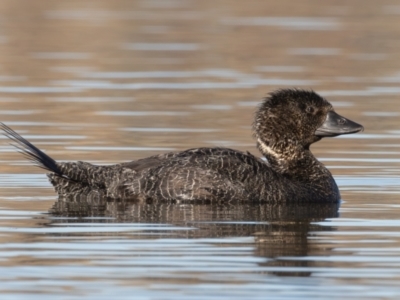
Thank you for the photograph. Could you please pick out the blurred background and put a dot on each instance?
(112, 81)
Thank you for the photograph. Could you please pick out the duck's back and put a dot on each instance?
(199, 174)
(194, 174)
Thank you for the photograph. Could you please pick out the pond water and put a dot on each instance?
(113, 81)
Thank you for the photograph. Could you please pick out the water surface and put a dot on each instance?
(112, 81)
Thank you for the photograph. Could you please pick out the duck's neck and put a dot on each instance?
(291, 160)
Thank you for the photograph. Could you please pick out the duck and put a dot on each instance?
(286, 123)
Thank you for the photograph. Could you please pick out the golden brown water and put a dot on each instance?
(112, 81)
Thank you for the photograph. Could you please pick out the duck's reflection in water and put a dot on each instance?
(281, 232)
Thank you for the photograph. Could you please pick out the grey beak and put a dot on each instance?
(335, 125)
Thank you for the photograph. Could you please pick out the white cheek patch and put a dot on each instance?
(267, 149)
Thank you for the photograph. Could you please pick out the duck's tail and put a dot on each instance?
(66, 177)
(31, 152)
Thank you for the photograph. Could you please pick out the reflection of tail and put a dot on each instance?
(31, 152)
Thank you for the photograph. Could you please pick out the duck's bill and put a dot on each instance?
(335, 125)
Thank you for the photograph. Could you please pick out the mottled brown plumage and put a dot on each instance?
(286, 124)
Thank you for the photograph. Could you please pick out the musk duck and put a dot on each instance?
(286, 123)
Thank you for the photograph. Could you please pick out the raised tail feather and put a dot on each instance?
(31, 152)
(65, 177)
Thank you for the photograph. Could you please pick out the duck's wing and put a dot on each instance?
(149, 162)
(194, 174)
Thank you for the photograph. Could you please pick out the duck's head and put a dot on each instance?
(290, 120)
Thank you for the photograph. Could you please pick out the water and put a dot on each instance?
(106, 82)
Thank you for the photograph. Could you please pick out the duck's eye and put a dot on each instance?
(310, 110)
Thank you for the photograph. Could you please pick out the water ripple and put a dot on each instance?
(292, 23)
